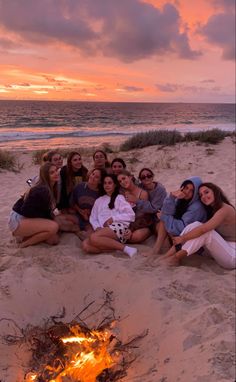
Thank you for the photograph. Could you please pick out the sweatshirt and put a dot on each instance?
(194, 212)
(36, 204)
(155, 200)
(121, 213)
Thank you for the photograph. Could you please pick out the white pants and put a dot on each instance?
(224, 252)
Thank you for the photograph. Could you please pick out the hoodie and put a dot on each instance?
(194, 212)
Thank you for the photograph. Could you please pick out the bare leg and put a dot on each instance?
(36, 230)
(105, 239)
(161, 237)
(139, 235)
(89, 248)
(67, 223)
(173, 258)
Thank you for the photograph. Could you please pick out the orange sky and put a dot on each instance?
(146, 51)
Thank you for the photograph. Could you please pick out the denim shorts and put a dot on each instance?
(14, 220)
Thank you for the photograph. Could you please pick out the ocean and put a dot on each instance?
(33, 125)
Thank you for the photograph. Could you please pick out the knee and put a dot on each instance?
(191, 226)
(54, 227)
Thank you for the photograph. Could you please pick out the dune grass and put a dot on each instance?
(171, 137)
(9, 162)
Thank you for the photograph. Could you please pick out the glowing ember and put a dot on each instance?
(83, 358)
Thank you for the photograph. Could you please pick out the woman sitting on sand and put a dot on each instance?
(156, 194)
(54, 157)
(32, 217)
(139, 230)
(110, 218)
(83, 198)
(100, 160)
(72, 174)
(218, 234)
(179, 209)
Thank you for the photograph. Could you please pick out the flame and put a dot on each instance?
(85, 357)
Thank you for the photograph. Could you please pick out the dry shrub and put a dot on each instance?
(9, 162)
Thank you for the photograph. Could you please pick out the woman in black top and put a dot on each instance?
(31, 219)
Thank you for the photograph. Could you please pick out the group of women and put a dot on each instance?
(109, 210)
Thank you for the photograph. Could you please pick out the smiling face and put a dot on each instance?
(117, 167)
(188, 191)
(57, 160)
(99, 160)
(109, 185)
(95, 178)
(124, 180)
(76, 162)
(146, 178)
(53, 175)
(206, 195)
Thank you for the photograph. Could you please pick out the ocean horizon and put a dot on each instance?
(32, 125)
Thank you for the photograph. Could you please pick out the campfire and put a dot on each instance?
(76, 352)
(80, 356)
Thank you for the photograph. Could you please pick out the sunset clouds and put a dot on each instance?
(78, 49)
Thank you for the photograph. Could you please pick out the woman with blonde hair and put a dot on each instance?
(31, 219)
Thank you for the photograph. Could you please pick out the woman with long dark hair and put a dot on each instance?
(110, 218)
(100, 160)
(218, 234)
(180, 208)
(72, 174)
(31, 219)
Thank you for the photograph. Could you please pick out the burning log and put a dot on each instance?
(73, 352)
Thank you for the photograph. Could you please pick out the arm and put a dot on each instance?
(155, 202)
(123, 211)
(37, 204)
(210, 225)
(195, 212)
(93, 219)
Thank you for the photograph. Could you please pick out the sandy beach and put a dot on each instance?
(189, 311)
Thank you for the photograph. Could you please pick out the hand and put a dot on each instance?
(177, 240)
(85, 213)
(178, 194)
(108, 222)
(130, 198)
(127, 234)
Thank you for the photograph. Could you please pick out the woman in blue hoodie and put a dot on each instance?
(179, 209)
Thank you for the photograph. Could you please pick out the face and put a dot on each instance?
(76, 162)
(188, 191)
(57, 160)
(206, 195)
(99, 159)
(117, 167)
(53, 174)
(124, 180)
(146, 178)
(95, 177)
(108, 185)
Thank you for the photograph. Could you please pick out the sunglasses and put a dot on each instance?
(148, 176)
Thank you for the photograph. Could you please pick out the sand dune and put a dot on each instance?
(189, 311)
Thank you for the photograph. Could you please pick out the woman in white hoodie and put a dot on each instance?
(110, 218)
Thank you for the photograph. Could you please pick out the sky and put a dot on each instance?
(118, 50)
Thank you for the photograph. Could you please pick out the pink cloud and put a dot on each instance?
(129, 30)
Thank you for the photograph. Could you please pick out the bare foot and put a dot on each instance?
(82, 235)
(171, 261)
